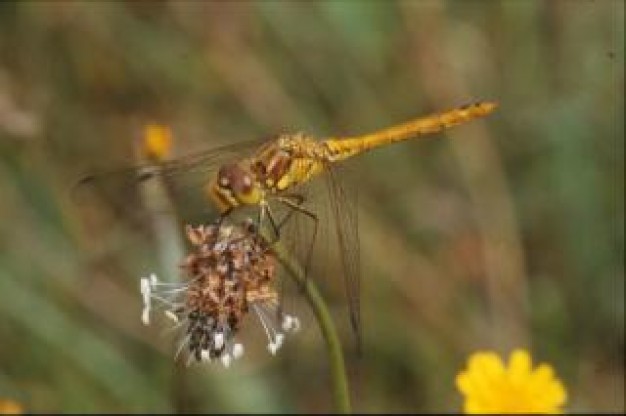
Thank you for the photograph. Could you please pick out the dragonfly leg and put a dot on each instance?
(220, 218)
(295, 199)
(265, 211)
(275, 227)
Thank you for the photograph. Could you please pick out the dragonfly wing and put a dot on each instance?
(112, 196)
(343, 202)
(119, 190)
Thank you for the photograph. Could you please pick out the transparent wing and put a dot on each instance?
(119, 191)
(344, 202)
(300, 227)
(322, 235)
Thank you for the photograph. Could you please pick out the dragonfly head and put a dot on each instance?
(234, 185)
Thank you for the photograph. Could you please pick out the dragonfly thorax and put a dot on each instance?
(288, 162)
(277, 167)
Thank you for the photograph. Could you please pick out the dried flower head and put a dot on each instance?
(231, 271)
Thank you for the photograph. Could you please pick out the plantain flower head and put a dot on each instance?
(231, 272)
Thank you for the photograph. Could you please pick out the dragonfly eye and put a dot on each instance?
(234, 185)
(225, 176)
(235, 179)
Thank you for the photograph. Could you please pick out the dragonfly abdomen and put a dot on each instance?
(343, 148)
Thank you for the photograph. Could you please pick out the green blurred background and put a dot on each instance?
(506, 232)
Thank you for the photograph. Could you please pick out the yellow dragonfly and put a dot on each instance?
(273, 172)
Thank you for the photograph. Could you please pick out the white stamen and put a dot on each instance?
(287, 323)
(262, 319)
(165, 301)
(176, 284)
(226, 359)
(237, 351)
(145, 315)
(205, 356)
(181, 345)
(145, 290)
(171, 315)
(280, 338)
(189, 360)
(218, 340)
(171, 291)
(295, 324)
(176, 326)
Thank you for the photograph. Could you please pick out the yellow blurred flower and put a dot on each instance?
(488, 386)
(10, 407)
(157, 142)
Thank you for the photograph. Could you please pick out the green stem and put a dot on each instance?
(339, 378)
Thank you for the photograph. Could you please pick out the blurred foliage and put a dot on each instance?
(508, 232)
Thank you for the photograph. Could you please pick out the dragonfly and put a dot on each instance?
(274, 172)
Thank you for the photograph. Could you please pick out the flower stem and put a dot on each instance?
(339, 378)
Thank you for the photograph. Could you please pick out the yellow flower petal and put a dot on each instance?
(472, 407)
(519, 366)
(463, 383)
(485, 367)
(10, 407)
(490, 387)
(157, 141)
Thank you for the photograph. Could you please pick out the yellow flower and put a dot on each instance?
(157, 141)
(490, 387)
(10, 407)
